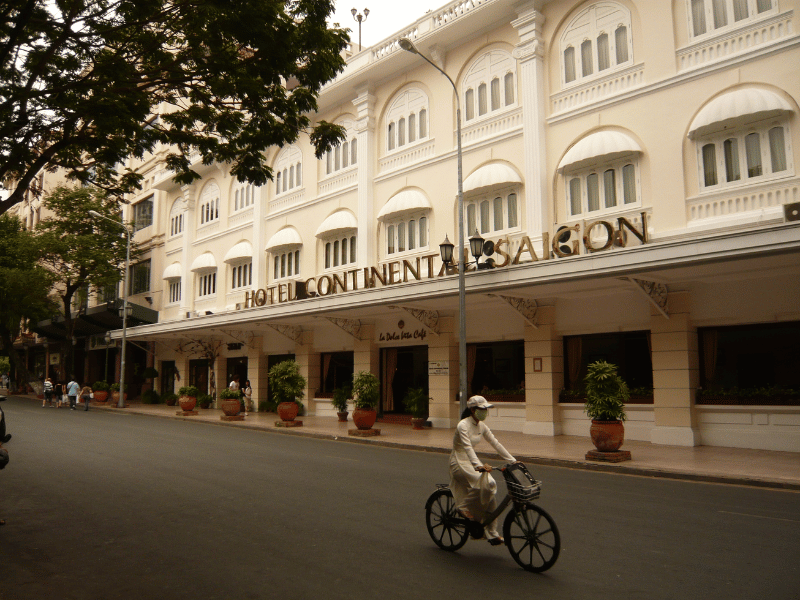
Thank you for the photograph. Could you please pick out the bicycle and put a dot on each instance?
(530, 533)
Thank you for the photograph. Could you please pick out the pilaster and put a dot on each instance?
(189, 225)
(366, 355)
(531, 86)
(544, 374)
(258, 371)
(675, 373)
(443, 389)
(308, 361)
(367, 153)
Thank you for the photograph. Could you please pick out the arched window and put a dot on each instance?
(244, 196)
(288, 166)
(344, 155)
(176, 218)
(209, 204)
(489, 84)
(596, 42)
(717, 16)
(406, 119)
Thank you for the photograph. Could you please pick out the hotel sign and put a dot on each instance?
(567, 241)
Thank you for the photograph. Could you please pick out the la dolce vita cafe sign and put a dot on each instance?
(597, 236)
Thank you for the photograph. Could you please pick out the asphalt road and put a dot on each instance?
(102, 505)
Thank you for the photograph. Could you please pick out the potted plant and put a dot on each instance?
(230, 401)
(416, 402)
(366, 394)
(115, 392)
(170, 399)
(606, 394)
(287, 385)
(339, 401)
(204, 400)
(100, 389)
(188, 397)
(151, 397)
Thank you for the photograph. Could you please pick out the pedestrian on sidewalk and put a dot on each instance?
(247, 392)
(72, 392)
(86, 395)
(474, 489)
(58, 392)
(48, 392)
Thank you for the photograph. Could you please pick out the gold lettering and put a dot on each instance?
(394, 269)
(587, 236)
(327, 290)
(407, 267)
(379, 276)
(557, 245)
(546, 246)
(337, 281)
(271, 294)
(354, 274)
(249, 299)
(260, 297)
(281, 292)
(525, 246)
(309, 291)
(642, 235)
(498, 250)
(429, 258)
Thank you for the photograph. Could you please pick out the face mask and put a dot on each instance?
(481, 414)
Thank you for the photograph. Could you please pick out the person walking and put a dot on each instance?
(86, 394)
(72, 392)
(247, 391)
(58, 392)
(48, 392)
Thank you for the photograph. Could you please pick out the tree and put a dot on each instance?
(86, 84)
(24, 288)
(85, 254)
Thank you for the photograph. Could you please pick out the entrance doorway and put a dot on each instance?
(198, 374)
(402, 369)
(236, 366)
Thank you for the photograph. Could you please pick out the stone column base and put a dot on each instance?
(541, 428)
(675, 436)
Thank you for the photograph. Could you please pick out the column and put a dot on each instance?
(189, 226)
(367, 153)
(443, 388)
(308, 362)
(219, 367)
(531, 89)
(676, 362)
(544, 374)
(258, 371)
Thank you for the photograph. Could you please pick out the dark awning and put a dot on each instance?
(97, 320)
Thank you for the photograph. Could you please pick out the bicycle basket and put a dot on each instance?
(522, 487)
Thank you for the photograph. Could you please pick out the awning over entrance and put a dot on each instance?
(404, 202)
(97, 320)
(602, 144)
(737, 107)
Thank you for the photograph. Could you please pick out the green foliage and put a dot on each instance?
(149, 373)
(416, 402)
(100, 386)
(366, 390)
(737, 392)
(151, 397)
(286, 383)
(340, 397)
(504, 392)
(227, 393)
(204, 400)
(115, 387)
(267, 406)
(5, 364)
(189, 390)
(170, 399)
(81, 82)
(606, 392)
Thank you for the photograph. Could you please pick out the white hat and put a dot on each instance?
(478, 402)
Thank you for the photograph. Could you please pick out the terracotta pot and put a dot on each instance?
(342, 416)
(230, 406)
(607, 436)
(100, 396)
(364, 418)
(169, 401)
(418, 422)
(287, 411)
(115, 397)
(187, 403)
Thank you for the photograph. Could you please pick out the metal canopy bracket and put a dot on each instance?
(293, 333)
(526, 307)
(655, 292)
(429, 318)
(350, 326)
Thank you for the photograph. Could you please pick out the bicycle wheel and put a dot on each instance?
(445, 526)
(532, 538)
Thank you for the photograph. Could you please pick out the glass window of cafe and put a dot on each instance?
(496, 367)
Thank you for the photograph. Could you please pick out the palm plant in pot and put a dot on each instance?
(416, 402)
(100, 389)
(286, 385)
(339, 401)
(606, 394)
(230, 401)
(366, 394)
(187, 397)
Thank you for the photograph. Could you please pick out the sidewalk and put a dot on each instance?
(761, 468)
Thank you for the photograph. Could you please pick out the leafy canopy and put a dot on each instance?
(85, 84)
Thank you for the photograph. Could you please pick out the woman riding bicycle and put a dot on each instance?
(473, 488)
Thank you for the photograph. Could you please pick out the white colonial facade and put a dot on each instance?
(631, 160)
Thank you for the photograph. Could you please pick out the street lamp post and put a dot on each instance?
(408, 46)
(97, 215)
(359, 17)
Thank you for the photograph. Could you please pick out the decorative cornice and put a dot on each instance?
(429, 318)
(526, 307)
